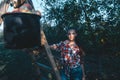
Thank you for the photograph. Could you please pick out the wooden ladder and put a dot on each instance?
(49, 54)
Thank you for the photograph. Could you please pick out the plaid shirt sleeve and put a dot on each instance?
(82, 56)
(82, 60)
(61, 45)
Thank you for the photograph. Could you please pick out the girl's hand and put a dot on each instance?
(53, 46)
(83, 78)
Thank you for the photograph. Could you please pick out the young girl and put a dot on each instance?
(71, 57)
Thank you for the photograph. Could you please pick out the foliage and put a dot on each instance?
(97, 23)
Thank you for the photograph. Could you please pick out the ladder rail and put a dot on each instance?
(49, 54)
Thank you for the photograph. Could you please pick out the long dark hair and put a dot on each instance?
(77, 40)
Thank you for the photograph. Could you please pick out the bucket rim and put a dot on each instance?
(20, 14)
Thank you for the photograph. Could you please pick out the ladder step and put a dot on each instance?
(44, 66)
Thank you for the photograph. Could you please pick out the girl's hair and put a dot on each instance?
(71, 28)
(77, 40)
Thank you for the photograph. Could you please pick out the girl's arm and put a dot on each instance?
(54, 46)
(83, 71)
(82, 64)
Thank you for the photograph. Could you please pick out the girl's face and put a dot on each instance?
(72, 34)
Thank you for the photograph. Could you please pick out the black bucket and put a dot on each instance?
(21, 30)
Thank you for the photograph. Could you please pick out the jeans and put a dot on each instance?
(75, 74)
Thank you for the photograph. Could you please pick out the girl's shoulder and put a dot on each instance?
(66, 41)
(63, 43)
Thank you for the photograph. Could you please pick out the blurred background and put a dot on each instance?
(98, 26)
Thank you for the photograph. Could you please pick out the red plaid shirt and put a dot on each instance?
(71, 57)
